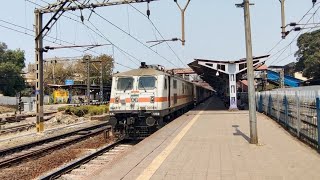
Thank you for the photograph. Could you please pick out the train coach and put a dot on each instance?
(142, 100)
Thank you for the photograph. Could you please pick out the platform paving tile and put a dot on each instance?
(217, 147)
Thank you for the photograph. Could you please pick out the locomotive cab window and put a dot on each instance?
(165, 84)
(125, 83)
(147, 82)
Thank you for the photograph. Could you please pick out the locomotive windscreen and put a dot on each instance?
(125, 83)
(147, 82)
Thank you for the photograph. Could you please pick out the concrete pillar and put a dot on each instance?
(233, 92)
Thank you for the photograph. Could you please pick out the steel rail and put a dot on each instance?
(48, 147)
(69, 167)
(4, 152)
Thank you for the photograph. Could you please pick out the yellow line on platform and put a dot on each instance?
(156, 163)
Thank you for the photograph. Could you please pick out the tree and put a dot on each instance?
(308, 54)
(78, 71)
(107, 67)
(11, 81)
(13, 56)
(11, 64)
(57, 72)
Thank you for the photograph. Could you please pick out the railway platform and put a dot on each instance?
(211, 143)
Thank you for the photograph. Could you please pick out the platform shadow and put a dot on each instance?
(240, 133)
(216, 104)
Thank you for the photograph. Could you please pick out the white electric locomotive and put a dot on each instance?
(143, 100)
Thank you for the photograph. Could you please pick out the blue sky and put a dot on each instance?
(214, 30)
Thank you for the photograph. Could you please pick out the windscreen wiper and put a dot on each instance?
(145, 90)
(127, 87)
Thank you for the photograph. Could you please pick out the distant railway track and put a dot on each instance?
(21, 127)
(13, 155)
(98, 158)
(18, 118)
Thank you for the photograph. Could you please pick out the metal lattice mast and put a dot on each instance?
(58, 8)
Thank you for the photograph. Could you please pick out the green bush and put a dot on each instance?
(83, 110)
(63, 108)
(96, 110)
(70, 110)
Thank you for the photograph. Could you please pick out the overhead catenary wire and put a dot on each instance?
(30, 30)
(121, 50)
(99, 34)
(158, 33)
(307, 13)
(286, 47)
(136, 39)
(25, 33)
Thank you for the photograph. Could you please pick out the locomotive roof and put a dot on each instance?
(151, 72)
(141, 72)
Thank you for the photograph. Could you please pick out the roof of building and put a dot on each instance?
(183, 71)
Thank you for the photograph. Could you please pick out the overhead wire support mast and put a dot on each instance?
(250, 73)
(58, 8)
(283, 20)
(183, 10)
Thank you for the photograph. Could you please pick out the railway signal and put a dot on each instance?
(20, 103)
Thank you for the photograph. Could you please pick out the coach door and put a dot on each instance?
(169, 91)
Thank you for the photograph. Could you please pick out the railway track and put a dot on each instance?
(11, 156)
(20, 127)
(81, 167)
(18, 118)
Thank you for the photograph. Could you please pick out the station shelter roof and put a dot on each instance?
(221, 79)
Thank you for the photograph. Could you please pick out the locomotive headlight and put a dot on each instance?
(152, 99)
(156, 113)
(111, 113)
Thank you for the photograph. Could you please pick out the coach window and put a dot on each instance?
(182, 88)
(125, 83)
(174, 84)
(165, 84)
(147, 82)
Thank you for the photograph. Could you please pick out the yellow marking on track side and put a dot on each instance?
(156, 163)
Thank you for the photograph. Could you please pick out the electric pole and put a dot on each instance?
(283, 20)
(281, 78)
(88, 78)
(53, 63)
(250, 73)
(39, 70)
(101, 82)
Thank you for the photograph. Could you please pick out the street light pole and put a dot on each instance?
(250, 74)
